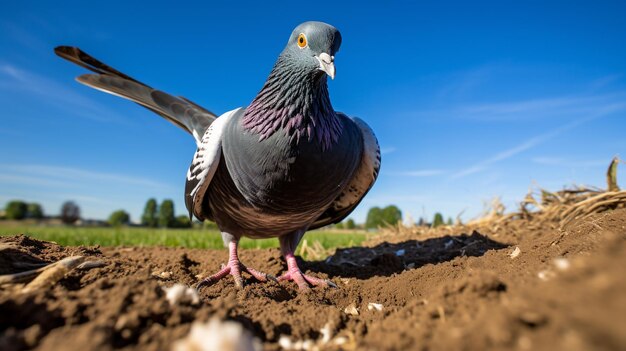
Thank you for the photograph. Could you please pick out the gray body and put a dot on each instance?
(276, 186)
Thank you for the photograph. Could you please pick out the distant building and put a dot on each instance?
(91, 223)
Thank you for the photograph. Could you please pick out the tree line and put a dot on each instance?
(391, 215)
(18, 210)
(163, 215)
(153, 216)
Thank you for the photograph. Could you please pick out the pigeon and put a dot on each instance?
(285, 164)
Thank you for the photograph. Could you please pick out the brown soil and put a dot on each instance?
(448, 290)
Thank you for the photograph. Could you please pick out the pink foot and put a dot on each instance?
(295, 274)
(234, 267)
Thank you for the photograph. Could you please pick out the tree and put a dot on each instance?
(450, 222)
(16, 210)
(374, 218)
(149, 217)
(350, 224)
(70, 212)
(377, 217)
(391, 215)
(437, 220)
(166, 214)
(340, 225)
(118, 218)
(35, 211)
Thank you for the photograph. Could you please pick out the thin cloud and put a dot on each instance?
(606, 81)
(53, 199)
(534, 141)
(461, 83)
(31, 31)
(16, 79)
(387, 150)
(87, 199)
(46, 175)
(564, 162)
(419, 173)
(539, 108)
(22, 37)
(24, 179)
(394, 199)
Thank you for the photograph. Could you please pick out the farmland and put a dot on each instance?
(548, 275)
(188, 238)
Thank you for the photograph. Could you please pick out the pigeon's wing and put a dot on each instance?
(204, 164)
(178, 110)
(361, 182)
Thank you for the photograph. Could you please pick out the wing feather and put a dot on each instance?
(362, 180)
(204, 165)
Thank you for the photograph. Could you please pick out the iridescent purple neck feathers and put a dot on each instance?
(297, 102)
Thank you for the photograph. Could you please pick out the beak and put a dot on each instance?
(327, 64)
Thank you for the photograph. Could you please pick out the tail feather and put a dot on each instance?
(182, 112)
(83, 59)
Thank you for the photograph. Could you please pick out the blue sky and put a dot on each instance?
(468, 102)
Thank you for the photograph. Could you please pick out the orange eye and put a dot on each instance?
(301, 40)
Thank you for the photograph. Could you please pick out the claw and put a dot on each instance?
(234, 268)
(260, 276)
(295, 274)
(204, 283)
(272, 278)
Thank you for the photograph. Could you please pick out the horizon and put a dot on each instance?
(469, 103)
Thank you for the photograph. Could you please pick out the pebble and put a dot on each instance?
(374, 306)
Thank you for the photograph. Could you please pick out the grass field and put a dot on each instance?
(191, 238)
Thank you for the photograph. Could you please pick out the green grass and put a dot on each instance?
(191, 238)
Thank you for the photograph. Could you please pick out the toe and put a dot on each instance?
(208, 281)
(331, 284)
(319, 282)
(260, 276)
(305, 281)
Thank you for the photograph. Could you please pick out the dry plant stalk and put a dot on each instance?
(49, 274)
(8, 246)
(316, 251)
(539, 208)
(568, 204)
(611, 175)
(21, 276)
(53, 273)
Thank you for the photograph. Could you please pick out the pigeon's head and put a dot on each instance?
(312, 48)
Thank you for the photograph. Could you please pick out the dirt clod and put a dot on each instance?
(441, 290)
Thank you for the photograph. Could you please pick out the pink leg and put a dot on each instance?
(234, 267)
(295, 274)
